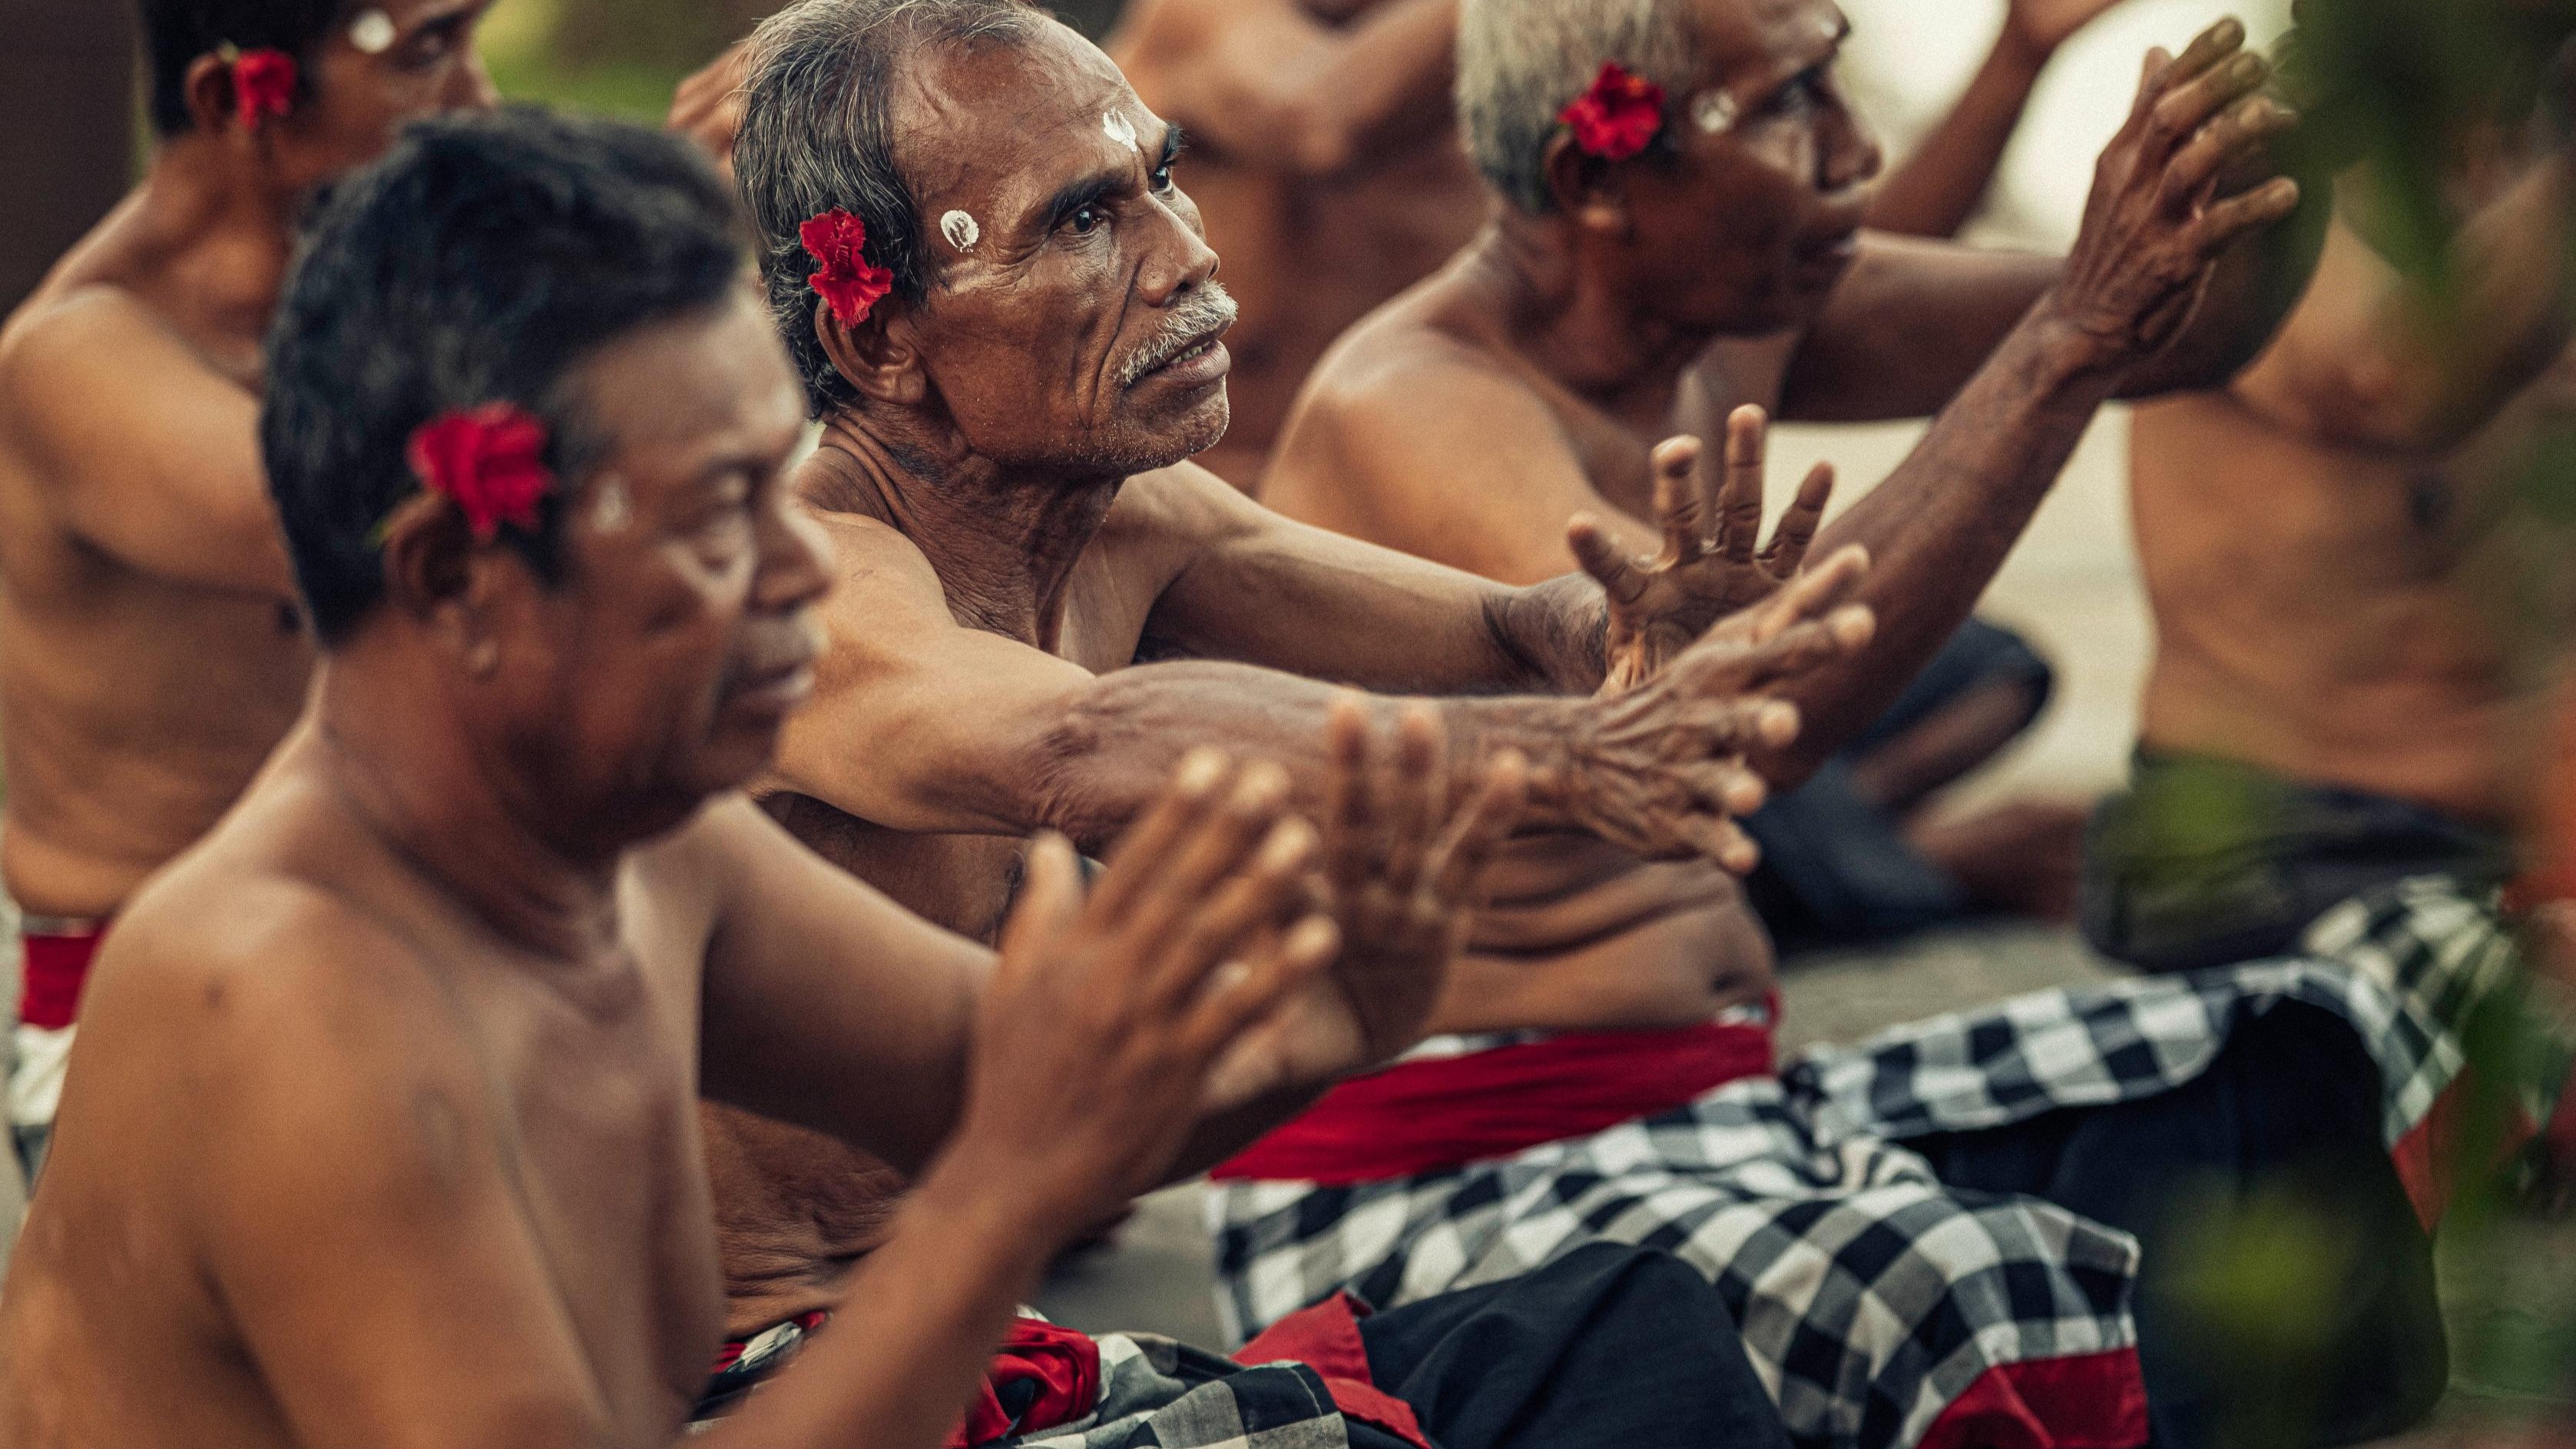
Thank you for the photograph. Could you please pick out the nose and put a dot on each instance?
(1850, 155)
(795, 567)
(1180, 261)
(474, 90)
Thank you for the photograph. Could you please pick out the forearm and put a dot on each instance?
(1943, 522)
(917, 1328)
(1554, 631)
(1935, 192)
(1113, 751)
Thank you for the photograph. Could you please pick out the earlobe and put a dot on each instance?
(878, 357)
(430, 578)
(1585, 189)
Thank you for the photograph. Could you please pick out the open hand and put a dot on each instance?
(1710, 566)
(1399, 872)
(1105, 1018)
(1660, 770)
(2155, 221)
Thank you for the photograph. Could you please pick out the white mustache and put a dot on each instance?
(1208, 310)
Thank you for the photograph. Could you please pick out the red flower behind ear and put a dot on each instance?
(1617, 117)
(847, 283)
(489, 460)
(263, 85)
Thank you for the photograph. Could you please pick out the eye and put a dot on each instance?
(1085, 219)
(1162, 177)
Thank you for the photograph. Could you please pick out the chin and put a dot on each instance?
(1146, 445)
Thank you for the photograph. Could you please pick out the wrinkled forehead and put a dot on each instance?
(705, 389)
(1750, 42)
(1001, 126)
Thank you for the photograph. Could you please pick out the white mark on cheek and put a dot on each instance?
(1712, 111)
(372, 32)
(614, 508)
(1120, 129)
(961, 230)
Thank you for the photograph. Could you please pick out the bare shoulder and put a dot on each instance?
(1405, 387)
(58, 352)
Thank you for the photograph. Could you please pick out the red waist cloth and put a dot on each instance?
(1424, 1115)
(57, 966)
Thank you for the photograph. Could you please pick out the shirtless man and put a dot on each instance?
(1041, 605)
(1324, 158)
(380, 1131)
(2330, 704)
(150, 650)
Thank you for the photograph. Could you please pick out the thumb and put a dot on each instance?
(1602, 558)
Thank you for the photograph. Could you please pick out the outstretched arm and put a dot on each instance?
(919, 724)
(1938, 188)
(1940, 526)
(1270, 83)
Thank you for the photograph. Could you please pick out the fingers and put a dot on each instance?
(1481, 828)
(2187, 107)
(1797, 529)
(1239, 996)
(1254, 899)
(1679, 508)
(1737, 507)
(2244, 128)
(2224, 221)
(1802, 648)
(1720, 839)
(1812, 593)
(1417, 784)
(1349, 815)
(1213, 849)
(1050, 901)
(1623, 578)
(1150, 840)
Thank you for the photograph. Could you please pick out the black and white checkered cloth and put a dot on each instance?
(1869, 1295)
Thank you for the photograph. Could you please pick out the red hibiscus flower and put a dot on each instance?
(263, 85)
(489, 460)
(847, 282)
(1617, 117)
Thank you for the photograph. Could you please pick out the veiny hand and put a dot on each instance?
(2041, 26)
(1710, 566)
(707, 108)
(1660, 770)
(1399, 874)
(2155, 222)
(1104, 1019)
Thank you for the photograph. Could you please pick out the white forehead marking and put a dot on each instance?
(961, 230)
(613, 509)
(1120, 129)
(1712, 111)
(372, 32)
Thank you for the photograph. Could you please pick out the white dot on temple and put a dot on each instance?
(1120, 129)
(960, 229)
(1712, 111)
(372, 32)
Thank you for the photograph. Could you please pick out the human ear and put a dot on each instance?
(1584, 188)
(437, 577)
(208, 90)
(880, 356)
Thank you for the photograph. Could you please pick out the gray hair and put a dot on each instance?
(818, 132)
(1520, 61)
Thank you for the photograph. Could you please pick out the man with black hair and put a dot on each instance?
(381, 1130)
(150, 650)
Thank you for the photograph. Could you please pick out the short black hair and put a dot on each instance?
(818, 133)
(176, 32)
(478, 261)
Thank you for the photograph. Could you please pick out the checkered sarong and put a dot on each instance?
(1870, 1297)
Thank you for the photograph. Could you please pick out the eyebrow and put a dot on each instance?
(1090, 190)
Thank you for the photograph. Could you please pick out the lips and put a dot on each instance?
(1192, 351)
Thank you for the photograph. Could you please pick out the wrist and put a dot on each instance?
(995, 1211)
(2065, 349)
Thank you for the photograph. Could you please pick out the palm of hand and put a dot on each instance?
(1710, 567)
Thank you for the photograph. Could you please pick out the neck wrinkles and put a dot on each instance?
(400, 763)
(1003, 540)
(1571, 319)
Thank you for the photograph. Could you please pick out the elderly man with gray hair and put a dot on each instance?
(979, 249)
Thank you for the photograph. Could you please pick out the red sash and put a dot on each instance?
(1420, 1116)
(57, 966)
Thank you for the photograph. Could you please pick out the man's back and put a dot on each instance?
(150, 656)
(434, 1095)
